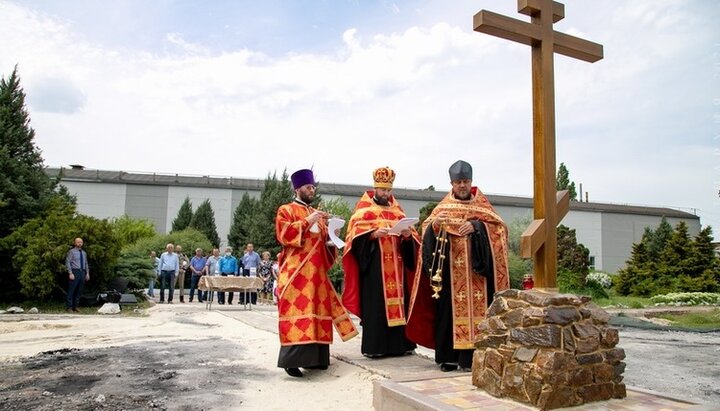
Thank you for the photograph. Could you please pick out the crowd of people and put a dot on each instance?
(172, 266)
(409, 288)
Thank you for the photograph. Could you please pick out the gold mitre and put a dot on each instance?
(383, 177)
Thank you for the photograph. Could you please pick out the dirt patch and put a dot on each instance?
(151, 376)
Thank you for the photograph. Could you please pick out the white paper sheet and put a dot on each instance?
(336, 224)
(403, 224)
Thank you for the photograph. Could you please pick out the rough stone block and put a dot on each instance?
(614, 356)
(509, 293)
(557, 398)
(550, 360)
(580, 376)
(619, 391)
(496, 325)
(512, 382)
(533, 316)
(585, 330)
(513, 304)
(598, 315)
(512, 319)
(568, 340)
(596, 392)
(561, 315)
(587, 345)
(610, 337)
(493, 341)
(587, 359)
(490, 382)
(497, 307)
(541, 336)
(524, 354)
(602, 373)
(494, 361)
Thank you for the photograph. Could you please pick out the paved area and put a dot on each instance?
(415, 382)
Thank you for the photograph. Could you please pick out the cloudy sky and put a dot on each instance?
(243, 88)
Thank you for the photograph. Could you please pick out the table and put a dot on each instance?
(223, 284)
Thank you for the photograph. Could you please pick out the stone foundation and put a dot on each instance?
(548, 350)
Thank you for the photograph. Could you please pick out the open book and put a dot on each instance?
(403, 224)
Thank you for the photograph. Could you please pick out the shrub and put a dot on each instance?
(686, 299)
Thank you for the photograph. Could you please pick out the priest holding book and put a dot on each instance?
(378, 265)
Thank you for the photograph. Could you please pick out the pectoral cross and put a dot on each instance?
(549, 207)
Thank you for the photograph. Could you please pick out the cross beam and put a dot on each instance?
(540, 238)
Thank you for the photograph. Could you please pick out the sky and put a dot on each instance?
(247, 88)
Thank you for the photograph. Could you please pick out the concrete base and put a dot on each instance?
(456, 392)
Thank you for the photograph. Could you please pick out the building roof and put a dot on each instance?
(350, 190)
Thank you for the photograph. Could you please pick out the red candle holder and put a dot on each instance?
(528, 282)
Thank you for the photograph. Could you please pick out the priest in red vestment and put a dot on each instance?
(308, 306)
(376, 264)
(464, 243)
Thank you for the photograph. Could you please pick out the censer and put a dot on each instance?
(438, 262)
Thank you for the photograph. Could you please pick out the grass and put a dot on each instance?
(622, 301)
(708, 320)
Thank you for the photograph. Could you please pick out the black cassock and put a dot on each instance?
(482, 264)
(377, 338)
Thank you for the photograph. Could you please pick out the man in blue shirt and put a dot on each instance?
(228, 265)
(78, 272)
(169, 267)
(197, 266)
(250, 263)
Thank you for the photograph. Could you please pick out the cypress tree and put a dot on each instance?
(204, 221)
(185, 215)
(242, 222)
(562, 182)
(24, 186)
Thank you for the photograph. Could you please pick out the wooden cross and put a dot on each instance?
(540, 239)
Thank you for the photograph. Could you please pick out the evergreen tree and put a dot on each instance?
(204, 221)
(242, 222)
(185, 215)
(563, 182)
(24, 186)
(656, 240)
(275, 193)
(425, 212)
(571, 255)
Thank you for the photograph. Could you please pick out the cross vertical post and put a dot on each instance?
(549, 207)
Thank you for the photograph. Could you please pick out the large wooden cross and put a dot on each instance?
(540, 239)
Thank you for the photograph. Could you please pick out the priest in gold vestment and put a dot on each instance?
(465, 242)
(376, 264)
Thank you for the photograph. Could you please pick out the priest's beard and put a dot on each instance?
(306, 198)
(383, 201)
(462, 196)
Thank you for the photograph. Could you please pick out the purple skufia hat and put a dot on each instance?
(302, 177)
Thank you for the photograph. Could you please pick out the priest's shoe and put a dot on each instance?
(294, 372)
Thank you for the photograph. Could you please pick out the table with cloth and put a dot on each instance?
(225, 284)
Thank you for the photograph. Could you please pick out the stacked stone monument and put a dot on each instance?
(549, 350)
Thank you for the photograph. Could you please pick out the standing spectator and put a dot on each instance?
(78, 273)
(265, 271)
(169, 266)
(184, 263)
(228, 267)
(250, 263)
(276, 272)
(156, 270)
(308, 306)
(212, 267)
(197, 266)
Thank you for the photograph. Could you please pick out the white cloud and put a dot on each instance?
(416, 98)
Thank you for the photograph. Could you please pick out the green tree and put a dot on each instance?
(275, 193)
(571, 255)
(243, 222)
(340, 208)
(425, 212)
(655, 240)
(189, 239)
(24, 186)
(517, 265)
(136, 267)
(41, 244)
(128, 230)
(184, 217)
(204, 221)
(563, 182)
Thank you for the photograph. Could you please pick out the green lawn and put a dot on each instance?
(708, 320)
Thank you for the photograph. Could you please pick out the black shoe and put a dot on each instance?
(229, 302)
(191, 300)
(446, 366)
(294, 372)
(317, 367)
(373, 356)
